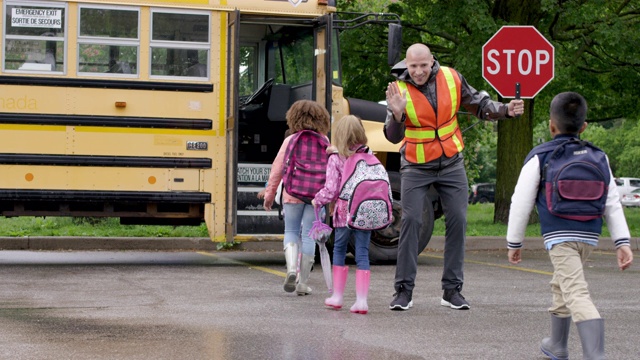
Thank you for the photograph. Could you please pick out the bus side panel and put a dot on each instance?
(96, 101)
(104, 141)
(33, 139)
(99, 178)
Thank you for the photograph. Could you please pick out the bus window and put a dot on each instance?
(109, 40)
(180, 44)
(248, 70)
(336, 65)
(290, 56)
(34, 36)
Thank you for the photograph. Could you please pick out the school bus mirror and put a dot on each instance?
(394, 43)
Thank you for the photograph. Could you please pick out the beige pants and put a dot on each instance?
(568, 286)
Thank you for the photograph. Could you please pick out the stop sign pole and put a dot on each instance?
(518, 61)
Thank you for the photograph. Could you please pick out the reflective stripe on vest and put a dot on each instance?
(410, 109)
(423, 126)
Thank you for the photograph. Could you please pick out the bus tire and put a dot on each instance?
(383, 248)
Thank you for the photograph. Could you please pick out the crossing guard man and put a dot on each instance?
(421, 112)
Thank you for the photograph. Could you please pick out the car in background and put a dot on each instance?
(482, 193)
(626, 185)
(631, 199)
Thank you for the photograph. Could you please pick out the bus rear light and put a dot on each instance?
(121, 104)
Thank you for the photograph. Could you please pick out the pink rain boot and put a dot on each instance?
(339, 281)
(362, 290)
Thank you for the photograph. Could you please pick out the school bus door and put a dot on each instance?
(233, 73)
(292, 58)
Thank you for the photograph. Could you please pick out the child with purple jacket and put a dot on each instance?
(349, 135)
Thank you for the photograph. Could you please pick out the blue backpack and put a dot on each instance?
(575, 179)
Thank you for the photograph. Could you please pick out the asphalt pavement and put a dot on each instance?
(207, 304)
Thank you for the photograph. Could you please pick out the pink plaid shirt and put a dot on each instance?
(277, 169)
(331, 190)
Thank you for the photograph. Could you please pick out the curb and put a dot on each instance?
(51, 243)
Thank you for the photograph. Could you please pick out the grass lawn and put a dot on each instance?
(479, 223)
(91, 227)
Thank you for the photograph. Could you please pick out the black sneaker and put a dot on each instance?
(454, 300)
(401, 301)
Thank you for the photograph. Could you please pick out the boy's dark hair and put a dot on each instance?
(569, 111)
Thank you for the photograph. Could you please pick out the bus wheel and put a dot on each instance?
(384, 243)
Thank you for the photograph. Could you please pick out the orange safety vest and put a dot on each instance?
(427, 134)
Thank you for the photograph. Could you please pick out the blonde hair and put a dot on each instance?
(348, 132)
(308, 115)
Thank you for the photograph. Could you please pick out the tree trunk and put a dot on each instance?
(515, 136)
(515, 140)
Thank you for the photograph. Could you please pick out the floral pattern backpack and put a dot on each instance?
(367, 192)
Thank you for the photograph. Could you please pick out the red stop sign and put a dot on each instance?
(518, 54)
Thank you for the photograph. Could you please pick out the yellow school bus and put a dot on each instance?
(163, 111)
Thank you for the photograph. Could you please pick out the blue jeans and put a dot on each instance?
(362, 240)
(298, 219)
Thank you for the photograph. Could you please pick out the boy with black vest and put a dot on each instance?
(569, 238)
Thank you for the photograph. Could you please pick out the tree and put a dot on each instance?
(621, 142)
(595, 48)
(366, 73)
(514, 137)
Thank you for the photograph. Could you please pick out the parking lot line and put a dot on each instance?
(484, 263)
(259, 268)
(510, 267)
(602, 252)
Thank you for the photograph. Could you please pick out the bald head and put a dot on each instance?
(419, 62)
(418, 49)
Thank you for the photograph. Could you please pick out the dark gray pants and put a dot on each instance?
(452, 186)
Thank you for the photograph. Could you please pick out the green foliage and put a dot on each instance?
(621, 142)
(296, 49)
(595, 44)
(227, 245)
(247, 82)
(364, 54)
(480, 151)
(90, 221)
(104, 227)
(480, 223)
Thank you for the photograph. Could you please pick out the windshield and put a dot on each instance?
(290, 54)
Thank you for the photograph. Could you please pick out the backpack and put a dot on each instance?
(367, 191)
(575, 179)
(305, 165)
